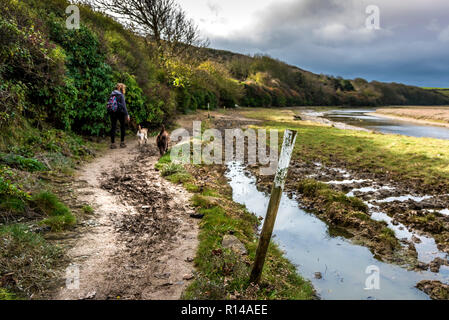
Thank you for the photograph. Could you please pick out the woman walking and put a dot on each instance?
(118, 112)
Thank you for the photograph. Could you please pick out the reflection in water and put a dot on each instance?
(313, 247)
(405, 198)
(362, 118)
(427, 248)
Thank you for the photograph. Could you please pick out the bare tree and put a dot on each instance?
(163, 21)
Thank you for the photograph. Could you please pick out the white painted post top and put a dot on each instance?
(285, 158)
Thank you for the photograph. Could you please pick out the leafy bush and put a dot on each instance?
(27, 60)
(92, 79)
(22, 163)
(8, 189)
(12, 198)
(217, 79)
(26, 54)
(12, 101)
(191, 100)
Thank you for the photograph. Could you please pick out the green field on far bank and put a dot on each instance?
(421, 160)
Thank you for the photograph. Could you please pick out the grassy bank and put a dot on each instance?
(444, 91)
(350, 213)
(420, 162)
(34, 166)
(224, 273)
(27, 262)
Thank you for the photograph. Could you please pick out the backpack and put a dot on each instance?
(112, 104)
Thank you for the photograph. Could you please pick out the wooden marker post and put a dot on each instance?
(273, 207)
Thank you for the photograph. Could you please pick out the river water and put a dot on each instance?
(313, 247)
(363, 118)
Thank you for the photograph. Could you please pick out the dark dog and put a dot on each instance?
(163, 139)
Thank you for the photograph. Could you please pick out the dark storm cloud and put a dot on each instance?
(330, 36)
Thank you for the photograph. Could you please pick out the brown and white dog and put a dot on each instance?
(163, 140)
(142, 134)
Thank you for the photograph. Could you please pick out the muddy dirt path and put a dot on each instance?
(140, 241)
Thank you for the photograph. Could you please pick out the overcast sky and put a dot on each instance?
(331, 37)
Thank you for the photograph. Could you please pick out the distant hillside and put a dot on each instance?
(269, 82)
(444, 91)
(63, 77)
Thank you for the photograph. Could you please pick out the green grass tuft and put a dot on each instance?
(210, 193)
(88, 210)
(309, 187)
(165, 160)
(49, 204)
(201, 201)
(59, 223)
(175, 173)
(360, 215)
(191, 187)
(59, 216)
(171, 169)
(180, 178)
(314, 189)
(389, 236)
